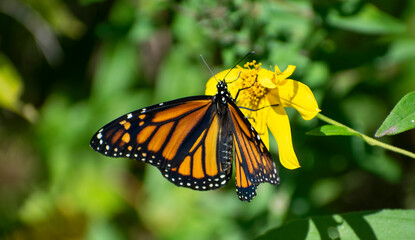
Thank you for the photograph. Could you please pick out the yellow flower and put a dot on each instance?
(268, 93)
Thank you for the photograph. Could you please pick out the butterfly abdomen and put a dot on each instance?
(225, 139)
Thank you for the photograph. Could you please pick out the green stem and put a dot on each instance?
(369, 140)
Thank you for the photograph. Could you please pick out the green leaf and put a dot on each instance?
(369, 20)
(384, 224)
(331, 130)
(401, 118)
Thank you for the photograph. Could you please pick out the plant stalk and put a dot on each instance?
(369, 140)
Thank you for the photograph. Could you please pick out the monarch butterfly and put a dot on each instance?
(192, 141)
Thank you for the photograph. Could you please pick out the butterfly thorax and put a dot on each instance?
(222, 97)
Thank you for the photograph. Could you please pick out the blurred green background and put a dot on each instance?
(69, 67)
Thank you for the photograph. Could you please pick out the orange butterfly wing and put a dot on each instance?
(253, 162)
(191, 141)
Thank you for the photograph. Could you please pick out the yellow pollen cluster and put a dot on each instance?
(254, 91)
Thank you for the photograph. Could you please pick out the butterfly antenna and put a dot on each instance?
(252, 52)
(208, 67)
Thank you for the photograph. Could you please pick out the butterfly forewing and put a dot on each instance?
(179, 137)
(253, 162)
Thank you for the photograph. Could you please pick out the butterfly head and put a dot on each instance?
(222, 92)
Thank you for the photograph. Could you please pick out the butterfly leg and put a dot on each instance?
(239, 90)
(254, 110)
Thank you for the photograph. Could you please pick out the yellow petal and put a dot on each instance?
(281, 76)
(279, 125)
(297, 95)
(266, 78)
(277, 70)
(288, 72)
(211, 86)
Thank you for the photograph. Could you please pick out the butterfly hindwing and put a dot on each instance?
(253, 162)
(179, 137)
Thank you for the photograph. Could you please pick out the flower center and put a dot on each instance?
(253, 90)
